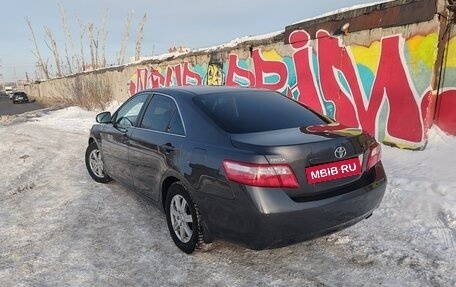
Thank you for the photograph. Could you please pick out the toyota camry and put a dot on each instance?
(249, 166)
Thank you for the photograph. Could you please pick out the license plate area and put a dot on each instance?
(333, 170)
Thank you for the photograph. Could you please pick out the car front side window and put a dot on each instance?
(129, 113)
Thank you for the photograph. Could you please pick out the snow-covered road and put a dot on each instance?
(60, 228)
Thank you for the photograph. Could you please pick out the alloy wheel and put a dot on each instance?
(96, 163)
(181, 218)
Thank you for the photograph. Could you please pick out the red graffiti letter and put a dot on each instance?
(237, 76)
(156, 79)
(392, 85)
(305, 76)
(334, 62)
(265, 68)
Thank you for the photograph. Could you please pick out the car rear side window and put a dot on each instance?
(252, 111)
(162, 115)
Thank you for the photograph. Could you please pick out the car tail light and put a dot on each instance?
(264, 175)
(375, 155)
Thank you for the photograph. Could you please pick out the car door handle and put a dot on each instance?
(168, 147)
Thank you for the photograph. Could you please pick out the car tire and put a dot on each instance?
(183, 219)
(94, 164)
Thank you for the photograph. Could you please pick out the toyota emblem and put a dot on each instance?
(340, 152)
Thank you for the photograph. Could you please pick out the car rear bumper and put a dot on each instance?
(276, 220)
(20, 101)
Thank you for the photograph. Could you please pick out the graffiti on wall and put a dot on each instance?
(445, 115)
(383, 88)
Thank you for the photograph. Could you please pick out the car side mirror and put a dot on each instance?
(104, 118)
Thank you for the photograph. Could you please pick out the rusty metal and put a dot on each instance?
(384, 15)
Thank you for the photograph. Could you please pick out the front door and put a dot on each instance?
(115, 138)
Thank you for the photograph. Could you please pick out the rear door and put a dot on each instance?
(155, 145)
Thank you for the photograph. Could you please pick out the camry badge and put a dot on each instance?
(340, 152)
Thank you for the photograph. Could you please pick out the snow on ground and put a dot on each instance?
(60, 228)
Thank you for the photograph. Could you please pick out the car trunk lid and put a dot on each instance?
(312, 149)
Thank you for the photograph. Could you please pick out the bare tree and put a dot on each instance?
(53, 47)
(140, 37)
(123, 46)
(37, 54)
(81, 42)
(67, 57)
(90, 37)
(95, 43)
(91, 43)
(70, 39)
(104, 37)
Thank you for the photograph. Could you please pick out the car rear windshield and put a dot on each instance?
(255, 111)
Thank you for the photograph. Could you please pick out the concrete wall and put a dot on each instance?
(382, 74)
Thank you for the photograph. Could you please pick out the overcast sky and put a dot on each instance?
(193, 24)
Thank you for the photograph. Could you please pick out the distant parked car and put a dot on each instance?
(9, 91)
(245, 165)
(20, 97)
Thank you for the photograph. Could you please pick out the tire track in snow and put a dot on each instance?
(448, 233)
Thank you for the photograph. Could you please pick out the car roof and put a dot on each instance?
(192, 91)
